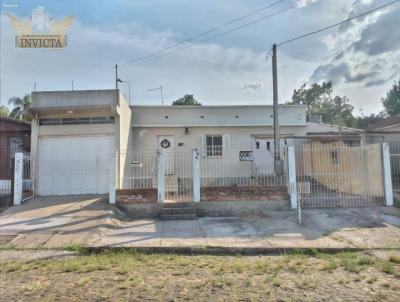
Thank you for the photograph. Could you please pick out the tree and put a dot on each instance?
(186, 100)
(391, 102)
(21, 107)
(312, 97)
(4, 111)
(319, 101)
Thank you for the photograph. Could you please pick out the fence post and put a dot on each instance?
(112, 198)
(292, 177)
(18, 166)
(387, 175)
(160, 175)
(196, 176)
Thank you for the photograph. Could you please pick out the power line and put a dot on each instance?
(337, 24)
(204, 33)
(219, 35)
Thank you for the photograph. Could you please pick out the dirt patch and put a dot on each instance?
(133, 276)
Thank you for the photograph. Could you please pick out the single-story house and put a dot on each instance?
(80, 138)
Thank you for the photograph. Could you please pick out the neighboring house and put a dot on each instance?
(388, 128)
(75, 135)
(15, 136)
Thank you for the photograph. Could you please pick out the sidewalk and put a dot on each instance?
(92, 222)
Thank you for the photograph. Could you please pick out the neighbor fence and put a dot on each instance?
(16, 184)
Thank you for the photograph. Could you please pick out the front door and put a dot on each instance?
(263, 156)
(166, 143)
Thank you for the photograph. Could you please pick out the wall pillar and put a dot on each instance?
(292, 177)
(112, 198)
(387, 175)
(18, 181)
(196, 176)
(160, 176)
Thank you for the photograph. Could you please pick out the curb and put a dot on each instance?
(221, 251)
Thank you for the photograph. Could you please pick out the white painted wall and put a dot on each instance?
(167, 116)
(145, 139)
(76, 98)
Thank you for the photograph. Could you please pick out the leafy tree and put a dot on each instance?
(186, 100)
(21, 107)
(319, 101)
(391, 102)
(312, 97)
(4, 111)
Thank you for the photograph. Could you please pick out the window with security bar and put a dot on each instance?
(214, 145)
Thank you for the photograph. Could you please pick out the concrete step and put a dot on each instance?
(177, 205)
(179, 217)
(178, 211)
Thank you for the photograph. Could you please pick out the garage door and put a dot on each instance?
(74, 165)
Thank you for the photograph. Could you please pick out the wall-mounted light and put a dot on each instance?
(186, 131)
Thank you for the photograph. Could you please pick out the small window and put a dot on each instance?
(268, 146)
(77, 121)
(257, 145)
(214, 145)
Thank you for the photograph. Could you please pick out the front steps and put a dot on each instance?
(178, 211)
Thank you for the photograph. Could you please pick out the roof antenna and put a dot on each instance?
(161, 92)
(34, 86)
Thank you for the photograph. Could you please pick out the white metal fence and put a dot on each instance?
(340, 175)
(238, 167)
(139, 170)
(394, 148)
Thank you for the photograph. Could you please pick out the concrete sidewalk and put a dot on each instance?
(59, 222)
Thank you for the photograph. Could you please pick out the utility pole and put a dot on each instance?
(278, 166)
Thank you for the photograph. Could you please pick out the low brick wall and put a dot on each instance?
(244, 193)
(137, 196)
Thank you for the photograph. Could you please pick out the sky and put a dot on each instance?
(361, 58)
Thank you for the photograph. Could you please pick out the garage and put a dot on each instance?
(74, 165)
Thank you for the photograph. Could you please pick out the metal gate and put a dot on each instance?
(178, 176)
(394, 148)
(341, 175)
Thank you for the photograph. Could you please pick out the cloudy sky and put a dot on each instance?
(362, 58)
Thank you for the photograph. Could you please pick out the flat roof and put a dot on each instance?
(213, 106)
(69, 91)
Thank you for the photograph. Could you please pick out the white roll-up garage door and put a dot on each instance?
(74, 165)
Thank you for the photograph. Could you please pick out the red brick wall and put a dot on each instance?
(243, 193)
(137, 196)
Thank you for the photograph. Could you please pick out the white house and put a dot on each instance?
(80, 138)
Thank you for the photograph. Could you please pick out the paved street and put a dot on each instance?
(50, 222)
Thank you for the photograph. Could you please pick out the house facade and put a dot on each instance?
(85, 142)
